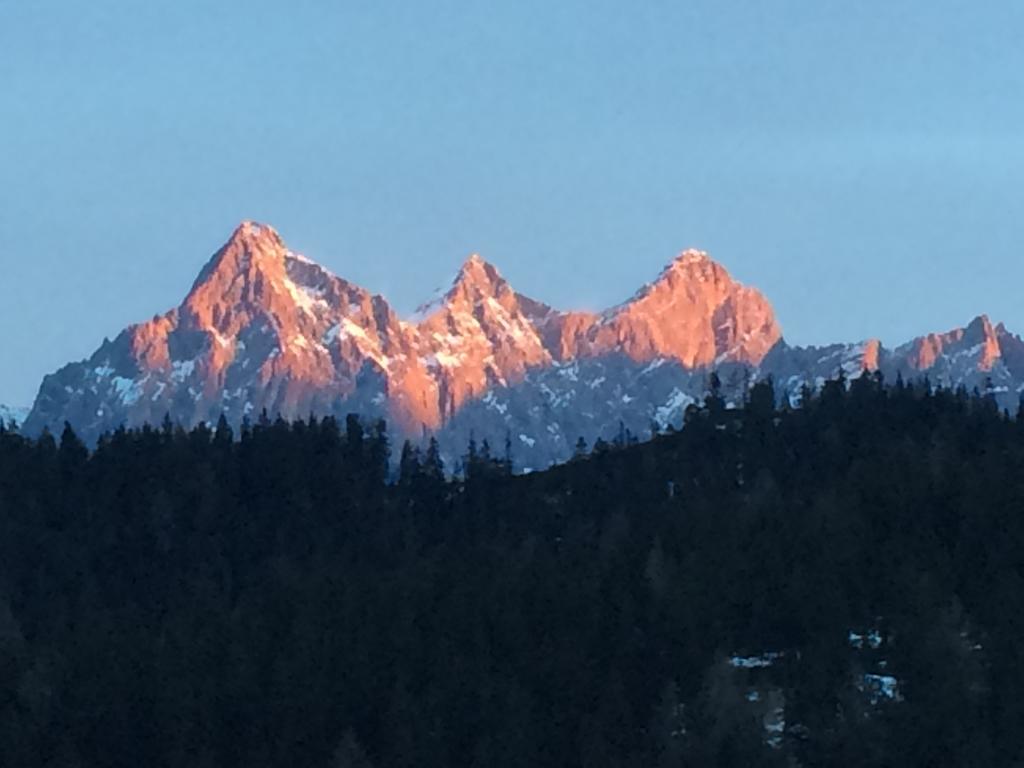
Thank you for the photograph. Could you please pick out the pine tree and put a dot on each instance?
(408, 465)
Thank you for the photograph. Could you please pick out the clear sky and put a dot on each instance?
(860, 162)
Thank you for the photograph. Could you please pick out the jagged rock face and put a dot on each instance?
(792, 368)
(480, 334)
(1011, 350)
(565, 333)
(976, 346)
(694, 313)
(266, 328)
(543, 416)
(262, 328)
(978, 356)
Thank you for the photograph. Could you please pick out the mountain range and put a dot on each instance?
(266, 329)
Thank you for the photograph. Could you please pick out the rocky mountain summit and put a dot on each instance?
(266, 329)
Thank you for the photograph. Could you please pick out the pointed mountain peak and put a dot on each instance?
(691, 256)
(690, 266)
(251, 243)
(979, 329)
(476, 279)
(691, 262)
(693, 312)
(251, 273)
(980, 333)
(978, 337)
(477, 271)
(252, 236)
(252, 232)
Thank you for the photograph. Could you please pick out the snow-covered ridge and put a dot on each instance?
(13, 413)
(266, 328)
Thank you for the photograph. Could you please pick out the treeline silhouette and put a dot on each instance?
(838, 583)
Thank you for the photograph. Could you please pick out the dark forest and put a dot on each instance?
(838, 583)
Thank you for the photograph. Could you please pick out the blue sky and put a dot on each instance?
(861, 163)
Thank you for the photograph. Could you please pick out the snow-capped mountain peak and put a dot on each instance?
(689, 258)
(693, 312)
(477, 333)
(472, 272)
(266, 328)
(475, 281)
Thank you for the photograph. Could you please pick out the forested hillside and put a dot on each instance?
(834, 584)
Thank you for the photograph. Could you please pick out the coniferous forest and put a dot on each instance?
(835, 584)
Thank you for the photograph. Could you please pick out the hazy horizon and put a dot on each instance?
(858, 165)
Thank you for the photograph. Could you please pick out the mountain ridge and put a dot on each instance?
(13, 413)
(265, 328)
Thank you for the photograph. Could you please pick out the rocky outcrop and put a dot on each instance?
(477, 335)
(694, 313)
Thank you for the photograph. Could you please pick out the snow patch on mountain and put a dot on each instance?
(13, 413)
